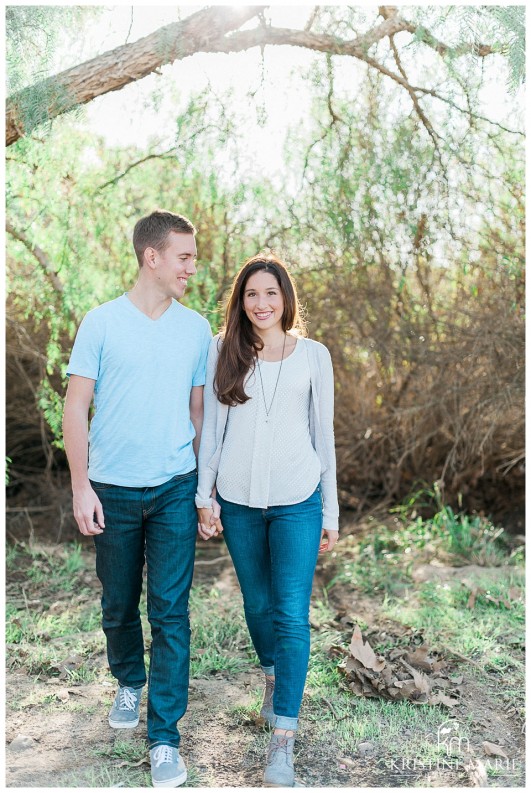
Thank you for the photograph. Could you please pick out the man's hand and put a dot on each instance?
(209, 524)
(328, 540)
(88, 512)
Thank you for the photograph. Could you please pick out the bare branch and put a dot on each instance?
(39, 254)
(313, 17)
(357, 48)
(427, 123)
(429, 92)
(165, 156)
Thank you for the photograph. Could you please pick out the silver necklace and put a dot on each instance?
(268, 409)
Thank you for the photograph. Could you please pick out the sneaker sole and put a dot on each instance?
(178, 780)
(123, 725)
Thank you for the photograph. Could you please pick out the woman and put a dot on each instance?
(267, 455)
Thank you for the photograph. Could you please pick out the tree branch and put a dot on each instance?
(209, 30)
(313, 17)
(357, 48)
(163, 156)
(126, 64)
(414, 98)
(39, 254)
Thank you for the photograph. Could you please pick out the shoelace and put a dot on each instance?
(127, 699)
(281, 744)
(163, 754)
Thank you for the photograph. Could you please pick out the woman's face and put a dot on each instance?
(263, 301)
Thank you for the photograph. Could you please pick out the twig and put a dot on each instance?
(337, 718)
(420, 113)
(461, 657)
(126, 763)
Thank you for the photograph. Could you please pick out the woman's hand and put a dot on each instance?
(209, 525)
(328, 540)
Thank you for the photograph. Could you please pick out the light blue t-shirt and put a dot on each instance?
(141, 433)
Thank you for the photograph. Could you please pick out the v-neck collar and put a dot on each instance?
(148, 318)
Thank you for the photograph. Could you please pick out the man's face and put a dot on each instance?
(174, 265)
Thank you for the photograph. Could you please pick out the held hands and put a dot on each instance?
(209, 523)
(88, 511)
(328, 540)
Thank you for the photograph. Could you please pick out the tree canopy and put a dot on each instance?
(398, 204)
(216, 29)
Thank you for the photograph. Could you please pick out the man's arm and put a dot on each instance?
(196, 415)
(75, 433)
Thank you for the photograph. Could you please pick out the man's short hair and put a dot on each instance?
(153, 230)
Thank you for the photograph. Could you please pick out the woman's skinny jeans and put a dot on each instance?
(274, 551)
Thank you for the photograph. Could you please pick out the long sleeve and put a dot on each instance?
(206, 475)
(326, 420)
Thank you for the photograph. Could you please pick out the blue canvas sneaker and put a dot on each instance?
(167, 766)
(125, 709)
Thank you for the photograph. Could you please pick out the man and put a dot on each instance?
(142, 357)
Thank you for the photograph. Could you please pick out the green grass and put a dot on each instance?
(105, 775)
(47, 622)
(440, 611)
(472, 539)
(42, 631)
(128, 750)
(381, 564)
(348, 720)
(383, 559)
(220, 639)
(28, 625)
(56, 568)
(247, 713)
(39, 640)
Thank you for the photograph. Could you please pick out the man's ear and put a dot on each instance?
(150, 257)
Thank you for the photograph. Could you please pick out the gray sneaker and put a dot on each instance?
(167, 766)
(267, 708)
(279, 770)
(125, 709)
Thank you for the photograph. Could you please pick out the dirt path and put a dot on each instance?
(71, 745)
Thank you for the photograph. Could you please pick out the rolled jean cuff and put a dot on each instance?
(268, 670)
(154, 744)
(286, 722)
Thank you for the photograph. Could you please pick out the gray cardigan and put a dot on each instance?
(321, 428)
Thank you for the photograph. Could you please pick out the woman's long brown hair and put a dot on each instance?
(241, 343)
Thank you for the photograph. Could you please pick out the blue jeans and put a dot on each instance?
(157, 525)
(274, 552)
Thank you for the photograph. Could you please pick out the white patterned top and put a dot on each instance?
(269, 460)
(321, 427)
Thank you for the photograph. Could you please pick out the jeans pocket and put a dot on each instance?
(100, 485)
